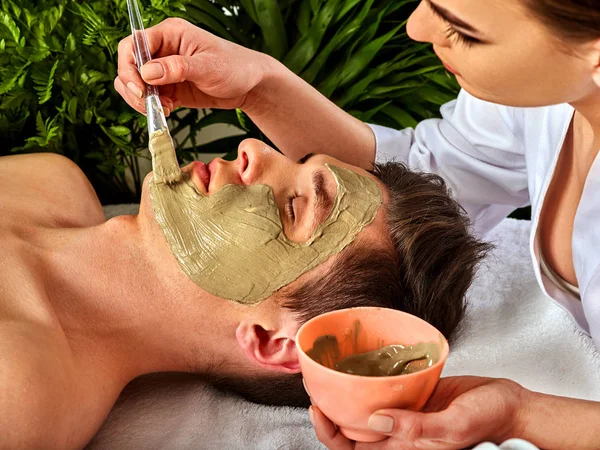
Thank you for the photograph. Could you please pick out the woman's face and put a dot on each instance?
(502, 54)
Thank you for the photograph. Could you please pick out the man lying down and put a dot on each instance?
(87, 305)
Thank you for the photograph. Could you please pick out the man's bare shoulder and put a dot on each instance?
(46, 189)
(56, 398)
(35, 379)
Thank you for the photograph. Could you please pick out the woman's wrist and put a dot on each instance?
(515, 405)
(285, 107)
(262, 96)
(560, 423)
(523, 416)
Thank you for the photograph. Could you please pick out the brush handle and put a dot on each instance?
(154, 109)
(140, 41)
(155, 114)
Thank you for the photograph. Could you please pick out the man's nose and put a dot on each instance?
(255, 160)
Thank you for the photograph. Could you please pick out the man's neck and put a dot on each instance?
(120, 307)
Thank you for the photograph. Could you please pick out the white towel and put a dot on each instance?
(512, 331)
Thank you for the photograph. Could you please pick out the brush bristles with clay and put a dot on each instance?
(162, 149)
(161, 146)
(164, 159)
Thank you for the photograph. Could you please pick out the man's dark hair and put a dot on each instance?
(424, 268)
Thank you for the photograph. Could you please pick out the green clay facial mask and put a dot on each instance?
(232, 244)
(385, 361)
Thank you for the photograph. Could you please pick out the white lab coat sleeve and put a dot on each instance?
(476, 147)
(591, 306)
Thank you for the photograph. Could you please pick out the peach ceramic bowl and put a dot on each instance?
(349, 400)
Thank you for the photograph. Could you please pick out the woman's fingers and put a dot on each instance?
(135, 101)
(128, 72)
(163, 39)
(406, 430)
(439, 430)
(170, 70)
(327, 432)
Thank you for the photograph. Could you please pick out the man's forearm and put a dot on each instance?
(560, 423)
(299, 120)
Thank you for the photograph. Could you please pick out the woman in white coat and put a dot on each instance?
(538, 58)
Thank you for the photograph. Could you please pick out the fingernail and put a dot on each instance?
(135, 90)
(152, 71)
(311, 415)
(380, 423)
(167, 112)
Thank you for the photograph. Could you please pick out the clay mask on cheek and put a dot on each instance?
(232, 243)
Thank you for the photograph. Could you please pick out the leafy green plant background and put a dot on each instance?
(58, 59)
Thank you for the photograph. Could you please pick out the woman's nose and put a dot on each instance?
(422, 26)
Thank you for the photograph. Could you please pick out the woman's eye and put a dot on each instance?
(461, 38)
(452, 32)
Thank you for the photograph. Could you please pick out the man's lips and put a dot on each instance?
(202, 172)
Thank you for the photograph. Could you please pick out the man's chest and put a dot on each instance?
(53, 402)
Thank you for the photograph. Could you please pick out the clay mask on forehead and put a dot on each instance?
(232, 243)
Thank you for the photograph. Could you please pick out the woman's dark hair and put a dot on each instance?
(577, 20)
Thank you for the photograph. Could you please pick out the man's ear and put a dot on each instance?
(269, 349)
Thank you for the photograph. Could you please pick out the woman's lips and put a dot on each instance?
(450, 69)
(446, 65)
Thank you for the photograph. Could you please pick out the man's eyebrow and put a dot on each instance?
(450, 18)
(305, 158)
(323, 199)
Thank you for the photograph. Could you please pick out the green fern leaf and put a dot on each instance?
(9, 83)
(43, 82)
(10, 124)
(72, 109)
(96, 31)
(40, 126)
(159, 4)
(33, 142)
(16, 9)
(51, 17)
(46, 131)
(52, 130)
(70, 44)
(9, 23)
(40, 53)
(90, 35)
(91, 22)
(94, 77)
(29, 18)
(120, 130)
(18, 99)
